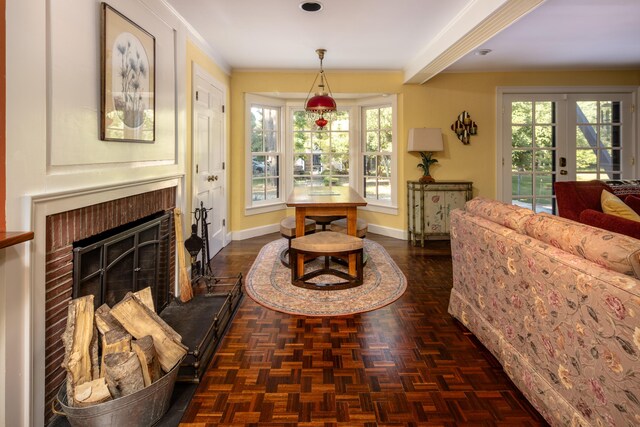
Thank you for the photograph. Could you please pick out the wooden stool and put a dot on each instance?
(323, 221)
(340, 226)
(328, 244)
(288, 231)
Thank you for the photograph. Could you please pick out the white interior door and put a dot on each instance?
(208, 157)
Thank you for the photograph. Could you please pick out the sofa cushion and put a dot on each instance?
(609, 222)
(612, 205)
(510, 216)
(610, 250)
(633, 202)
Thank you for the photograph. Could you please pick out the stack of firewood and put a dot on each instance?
(137, 348)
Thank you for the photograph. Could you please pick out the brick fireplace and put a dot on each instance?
(62, 230)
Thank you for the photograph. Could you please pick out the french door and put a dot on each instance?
(549, 137)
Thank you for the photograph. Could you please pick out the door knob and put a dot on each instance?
(563, 172)
(212, 178)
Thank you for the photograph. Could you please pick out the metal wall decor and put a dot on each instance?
(464, 127)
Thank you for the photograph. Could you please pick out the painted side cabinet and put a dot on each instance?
(428, 207)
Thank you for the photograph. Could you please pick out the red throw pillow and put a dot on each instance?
(633, 202)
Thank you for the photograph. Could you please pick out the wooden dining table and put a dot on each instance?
(327, 201)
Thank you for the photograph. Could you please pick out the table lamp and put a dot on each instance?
(425, 141)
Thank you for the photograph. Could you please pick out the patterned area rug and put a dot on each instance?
(269, 284)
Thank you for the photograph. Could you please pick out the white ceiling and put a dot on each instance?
(421, 37)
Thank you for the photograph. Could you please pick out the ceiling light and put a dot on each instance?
(322, 103)
(311, 6)
(482, 52)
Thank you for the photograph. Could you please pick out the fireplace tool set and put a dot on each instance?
(200, 270)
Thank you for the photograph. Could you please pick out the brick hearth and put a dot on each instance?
(62, 229)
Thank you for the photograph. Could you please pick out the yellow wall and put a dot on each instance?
(197, 56)
(437, 103)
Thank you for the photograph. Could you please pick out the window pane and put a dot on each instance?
(257, 190)
(544, 112)
(301, 142)
(544, 205)
(256, 141)
(521, 113)
(521, 136)
(544, 185)
(586, 161)
(370, 165)
(586, 136)
(587, 111)
(270, 141)
(544, 160)
(340, 122)
(605, 136)
(273, 165)
(340, 164)
(270, 119)
(256, 118)
(521, 185)
(521, 160)
(545, 136)
(258, 163)
(384, 166)
(386, 139)
(340, 142)
(372, 117)
(372, 141)
(384, 189)
(386, 118)
(272, 189)
(370, 188)
(300, 121)
(523, 202)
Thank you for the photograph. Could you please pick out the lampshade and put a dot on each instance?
(425, 139)
(322, 103)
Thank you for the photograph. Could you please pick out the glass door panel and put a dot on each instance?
(533, 147)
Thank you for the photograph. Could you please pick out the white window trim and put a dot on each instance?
(515, 90)
(391, 207)
(251, 207)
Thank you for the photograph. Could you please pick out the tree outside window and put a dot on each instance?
(320, 157)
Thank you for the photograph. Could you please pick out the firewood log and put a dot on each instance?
(123, 373)
(115, 341)
(146, 352)
(92, 393)
(105, 321)
(146, 297)
(80, 358)
(139, 321)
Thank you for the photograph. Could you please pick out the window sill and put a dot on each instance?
(257, 210)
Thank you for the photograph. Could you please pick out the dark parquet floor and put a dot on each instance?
(407, 364)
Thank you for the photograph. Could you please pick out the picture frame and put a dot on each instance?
(127, 96)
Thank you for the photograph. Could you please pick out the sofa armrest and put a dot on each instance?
(611, 223)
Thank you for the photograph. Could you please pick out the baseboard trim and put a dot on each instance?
(274, 228)
(255, 232)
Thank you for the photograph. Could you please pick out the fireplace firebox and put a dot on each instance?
(111, 264)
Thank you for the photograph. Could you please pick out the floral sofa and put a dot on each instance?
(557, 303)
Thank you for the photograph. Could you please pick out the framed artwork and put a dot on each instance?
(128, 79)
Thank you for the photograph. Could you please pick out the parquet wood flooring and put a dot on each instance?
(407, 364)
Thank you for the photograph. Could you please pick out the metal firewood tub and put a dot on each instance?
(142, 408)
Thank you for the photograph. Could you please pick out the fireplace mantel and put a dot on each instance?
(10, 238)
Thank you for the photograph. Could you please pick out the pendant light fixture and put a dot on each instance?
(322, 103)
